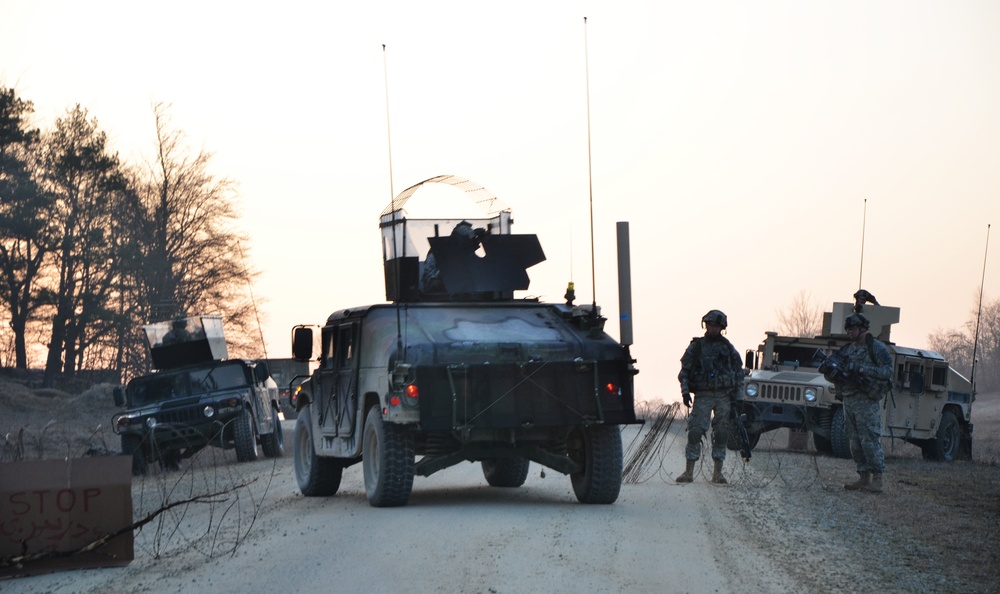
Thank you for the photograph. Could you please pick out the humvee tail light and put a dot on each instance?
(412, 391)
(394, 400)
(612, 389)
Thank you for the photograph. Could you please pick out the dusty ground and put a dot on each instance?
(783, 523)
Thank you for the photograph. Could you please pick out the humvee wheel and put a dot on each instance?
(599, 450)
(273, 444)
(245, 436)
(944, 447)
(316, 476)
(132, 446)
(387, 457)
(506, 472)
(839, 445)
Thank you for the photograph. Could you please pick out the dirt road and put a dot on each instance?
(783, 524)
(456, 535)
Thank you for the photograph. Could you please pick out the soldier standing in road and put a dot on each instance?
(862, 387)
(710, 368)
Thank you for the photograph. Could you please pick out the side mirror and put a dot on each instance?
(748, 360)
(302, 343)
(119, 396)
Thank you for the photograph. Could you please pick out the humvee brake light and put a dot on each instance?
(612, 389)
(412, 391)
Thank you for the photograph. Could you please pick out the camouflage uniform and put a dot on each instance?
(713, 370)
(862, 421)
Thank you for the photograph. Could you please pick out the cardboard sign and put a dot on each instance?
(64, 505)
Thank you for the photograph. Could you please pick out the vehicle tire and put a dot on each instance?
(387, 457)
(823, 445)
(599, 449)
(245, 437)
(506, 472)
(273, 444)
(944, 447)
(317, 476)
(132, 446)
(840, 447)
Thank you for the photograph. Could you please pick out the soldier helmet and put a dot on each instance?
(715, 317)
(858, 320)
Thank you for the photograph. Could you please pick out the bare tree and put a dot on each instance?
(802, 317)
(192, 260)
(957, 346)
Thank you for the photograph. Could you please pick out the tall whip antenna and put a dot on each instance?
(253, 302)
(864, 220)
(392, 201)
(388, 132)
(590, 175)
(975, 340)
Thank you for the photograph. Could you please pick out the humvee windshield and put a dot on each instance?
(190, 382)
(795, 355)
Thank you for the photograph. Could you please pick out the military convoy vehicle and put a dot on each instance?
(288, 374)
(455, 368)
(196, 397)
(930, 404)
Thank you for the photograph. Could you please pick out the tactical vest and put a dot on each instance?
(713, 367)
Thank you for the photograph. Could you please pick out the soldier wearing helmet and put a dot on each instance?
(862, 388)
(711, 368)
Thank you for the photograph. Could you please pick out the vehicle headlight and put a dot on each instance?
(209, 412)
(751, 390)
(151, 422)
(810, 394)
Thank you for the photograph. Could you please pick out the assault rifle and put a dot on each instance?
(740, 424)
(836, 369)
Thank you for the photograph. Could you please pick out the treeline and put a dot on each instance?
(92, 248)
(961, 348)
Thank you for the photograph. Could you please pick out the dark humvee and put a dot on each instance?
(196, 398)
(456, 369)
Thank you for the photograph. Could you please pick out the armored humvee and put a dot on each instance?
(196, 397)
(930, 404)
(455, 369)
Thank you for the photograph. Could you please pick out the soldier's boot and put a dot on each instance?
(688, 475)
(717, 474)
(861, 483)
(876, 484)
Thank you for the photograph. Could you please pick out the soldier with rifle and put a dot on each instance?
(861, 372)
(711, 368)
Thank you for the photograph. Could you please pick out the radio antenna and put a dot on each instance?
(253, 302)
(975, 340)
(590, 175)
(392, 200)
(864, 220)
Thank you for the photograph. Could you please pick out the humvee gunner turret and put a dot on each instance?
(456, 369)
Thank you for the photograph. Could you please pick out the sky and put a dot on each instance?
(758, 150)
